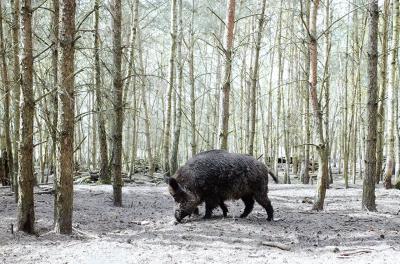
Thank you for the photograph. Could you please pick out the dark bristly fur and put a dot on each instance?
(216, 176)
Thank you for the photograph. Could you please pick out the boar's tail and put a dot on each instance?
(273, 176)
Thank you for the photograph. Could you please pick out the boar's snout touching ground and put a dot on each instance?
(215, 176)
(185, 202)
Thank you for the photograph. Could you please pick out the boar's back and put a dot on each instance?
(223, 174)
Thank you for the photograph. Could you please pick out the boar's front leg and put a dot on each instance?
(262, 199)
(209, 208)
(249, 204)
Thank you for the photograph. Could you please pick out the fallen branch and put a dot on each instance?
(349, 253)
(276, 245)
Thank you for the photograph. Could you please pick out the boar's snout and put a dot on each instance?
(179, 215)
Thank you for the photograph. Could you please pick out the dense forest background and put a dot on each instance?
(114, 87)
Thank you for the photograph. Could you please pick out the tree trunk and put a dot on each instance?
(322, 153)
(390, 163)
(254, 79)
(179, 94)
(368, 198)
(171, 85)
(192, 86)
(54, 64)
(116, 168)
(65, 146)
(6, 89)
(306, 130)
(147, 122)
(104, 166)
(16, 90)
(226, 87)
(26, 214)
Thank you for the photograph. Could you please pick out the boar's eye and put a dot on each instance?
(179, 196)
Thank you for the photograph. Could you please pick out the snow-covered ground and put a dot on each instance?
(143, 231)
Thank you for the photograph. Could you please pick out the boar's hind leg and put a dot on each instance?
(249, 204)
(223, 208)
(263, 200)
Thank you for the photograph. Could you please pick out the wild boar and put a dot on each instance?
(216, 176)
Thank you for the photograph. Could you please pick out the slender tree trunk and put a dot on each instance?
(307, 131)
(54, 97)
(145, 107)
(179, 94)
(368, 198)
(226, 87)
(390, 164)
(65, 146)
(26, 214)
(322, 153)
(16, 90)
(327, 81)
(254, 78)
(7, 90)
(104, 165)
(116, 168)
(171, 85)
(192, 85)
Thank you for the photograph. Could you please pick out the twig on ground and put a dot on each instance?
(350, 252)
(276, 245)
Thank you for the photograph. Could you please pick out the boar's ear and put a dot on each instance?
(174, 185)
(175, 188)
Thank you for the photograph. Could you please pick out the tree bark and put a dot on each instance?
(26, 214)
(65, 144)
(54, 97)
(323, 159)
(7, 90)
(226, 87)
(393, 99)
(147, 122)
(171, 85)
(116, 168)
(368, 197)
(192, 86)
(16, 90)
(254, 79)
(306, 120)
(179, 94)
(101, 123)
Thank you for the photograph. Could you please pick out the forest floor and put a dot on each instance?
(143, 231)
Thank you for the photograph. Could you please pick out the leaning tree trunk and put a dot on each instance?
(368, 198)
(254, 79)
(167, 129)
(26, 214)
(65, 143)
(6, 85)
(226, 87)
(322, 153)
(390, 164)
(116, 168)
